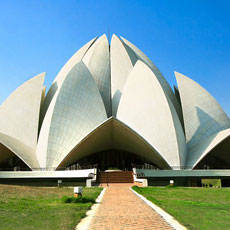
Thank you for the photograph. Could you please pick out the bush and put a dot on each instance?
(79, 199)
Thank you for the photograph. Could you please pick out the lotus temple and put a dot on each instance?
(109, 108)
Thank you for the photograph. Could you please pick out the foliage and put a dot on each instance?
(211, 182)
(79, 199)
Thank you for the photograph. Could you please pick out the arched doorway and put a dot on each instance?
(113, 160)
(217, 158)
(108, 141)
(10, 161)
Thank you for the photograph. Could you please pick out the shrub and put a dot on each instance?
(79, 199)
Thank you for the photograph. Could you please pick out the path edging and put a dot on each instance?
(85, 222)
(168, 218)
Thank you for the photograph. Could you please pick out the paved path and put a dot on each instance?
(121, 209)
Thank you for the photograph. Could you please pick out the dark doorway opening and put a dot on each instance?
(113, 160)
(218, 158)
(212, 162)
(14, 164)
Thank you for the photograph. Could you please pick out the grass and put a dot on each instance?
(195, 208)
(33, 208)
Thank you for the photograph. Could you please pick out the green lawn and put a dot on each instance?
(195, 208)
(31, 208)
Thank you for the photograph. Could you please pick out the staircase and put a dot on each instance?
(115, 177)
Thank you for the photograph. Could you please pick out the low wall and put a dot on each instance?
(143, 173)
(182, 177)
(47, 178)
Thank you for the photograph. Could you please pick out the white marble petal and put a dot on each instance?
(21, 150)
(201, 150)
(97, 59)
(74, 112)
(164, 84)
(145, 108)
(114, 134)
(121, 66)
(57, 83)
(19, 117)
(203, 116)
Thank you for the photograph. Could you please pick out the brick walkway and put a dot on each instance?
(122, 210)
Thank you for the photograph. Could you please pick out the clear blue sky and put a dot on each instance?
(191, 37)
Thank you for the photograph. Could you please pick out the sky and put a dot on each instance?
(190, 37)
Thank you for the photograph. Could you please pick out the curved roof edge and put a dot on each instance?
(203, 116)
(164, 84)
(179, 132)
(23, 151)
(67, 122)
(97, 59)
(142, 85)
(61, 77)
(18, 123)
(199, 152)
(121, 66)
(110, 141)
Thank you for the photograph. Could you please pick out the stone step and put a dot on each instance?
(115, 177)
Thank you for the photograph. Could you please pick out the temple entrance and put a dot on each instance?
(218, 158)
(14, 164)
(212, 162)
(113, 160)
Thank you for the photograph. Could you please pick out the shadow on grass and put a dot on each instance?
(82, 200)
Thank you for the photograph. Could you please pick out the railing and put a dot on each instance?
(144, 166)
(17, 168)
(14, 169)
(81, 167)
